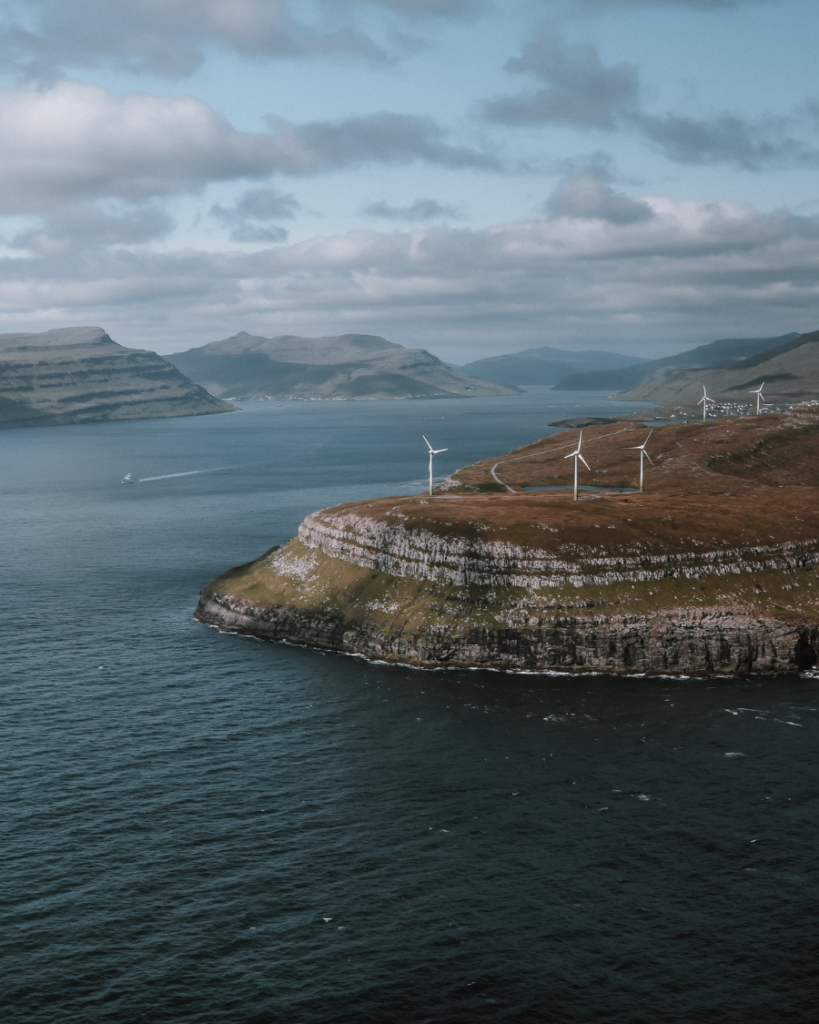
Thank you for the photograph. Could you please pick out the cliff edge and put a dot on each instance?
(79, 374)
(711, 570)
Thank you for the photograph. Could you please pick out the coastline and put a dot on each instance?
(689, 578)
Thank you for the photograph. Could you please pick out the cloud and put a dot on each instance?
(690, 272)
(420, 210)
(584, 93)
(382, 137)
(71, 142)
(702, 5)
(724, 139)
(85, 224)
(580, 89)
(171, 36)
(253, 206)
(587, 195)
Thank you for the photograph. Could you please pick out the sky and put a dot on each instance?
(471, 177)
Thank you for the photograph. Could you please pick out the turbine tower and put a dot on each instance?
(576, 455)
(759, 400)
(641, 448)
(704, 403)
(432, 451)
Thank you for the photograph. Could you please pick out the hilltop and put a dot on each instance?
(547, 365)
(79, 374)
(350, 366)
(724, 352)
(711, 570)
(790, 373)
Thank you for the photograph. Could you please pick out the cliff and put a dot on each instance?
(348, 367)
(711, 570)
(78, 374)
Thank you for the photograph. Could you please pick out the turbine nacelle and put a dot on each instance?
(434, 451)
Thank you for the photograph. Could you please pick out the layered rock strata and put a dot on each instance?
(79, 375)
(421, 554)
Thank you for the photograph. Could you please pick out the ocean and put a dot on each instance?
(204, 828)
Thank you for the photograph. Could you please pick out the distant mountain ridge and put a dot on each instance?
(80, 374)
(342, 367)
(790, 373)
(718, 353)
(545, 365)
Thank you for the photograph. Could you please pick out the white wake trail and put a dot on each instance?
(190, 472)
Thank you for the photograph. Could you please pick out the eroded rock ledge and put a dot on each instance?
(421, 554)
(691, 643)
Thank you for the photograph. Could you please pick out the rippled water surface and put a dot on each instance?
(200, 827)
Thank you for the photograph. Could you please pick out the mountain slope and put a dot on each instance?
(717, 353)
(545, 365)
(78, 374)
(790, 373)
(350, 366)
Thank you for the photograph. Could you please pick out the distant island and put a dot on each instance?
(80, 375)
(344, 367)
(711, 570)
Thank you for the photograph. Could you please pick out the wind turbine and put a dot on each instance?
(704, 403)
(432, 451)
(641, 448)
(758, 393)
(576, 455)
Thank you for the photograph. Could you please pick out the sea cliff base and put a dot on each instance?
(687, 627)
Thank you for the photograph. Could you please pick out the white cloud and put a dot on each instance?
(71, 141)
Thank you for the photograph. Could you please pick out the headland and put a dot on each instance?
(711, 570)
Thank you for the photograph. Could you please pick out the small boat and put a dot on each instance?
(129, 478)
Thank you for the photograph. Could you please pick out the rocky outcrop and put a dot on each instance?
(421, 554)
(78, 375)
(687, 642)
(714, 570)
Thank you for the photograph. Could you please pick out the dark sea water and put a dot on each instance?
(201, 827)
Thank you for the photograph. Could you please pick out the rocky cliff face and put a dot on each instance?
(421, 554)
(78, 374)
(685, 642)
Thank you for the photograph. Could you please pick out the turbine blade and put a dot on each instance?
(649, 435)
(649, 457)
(588, 467)
(428, 444)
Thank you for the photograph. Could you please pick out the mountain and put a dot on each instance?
(78, 374)
(545, 365)
(350, 366)
(790, 373)
(717, 353)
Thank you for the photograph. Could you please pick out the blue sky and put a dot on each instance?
(467, 176)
